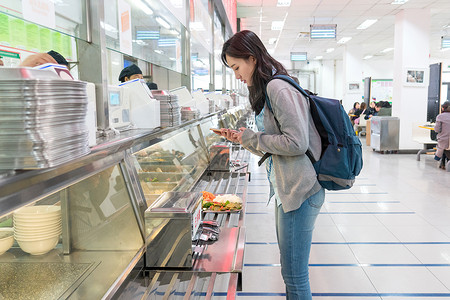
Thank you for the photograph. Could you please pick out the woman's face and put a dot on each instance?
(243, 68)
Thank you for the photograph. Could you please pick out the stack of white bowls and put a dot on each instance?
(37, 228)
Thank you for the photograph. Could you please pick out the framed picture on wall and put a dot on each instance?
(415, 77)
(353, 87)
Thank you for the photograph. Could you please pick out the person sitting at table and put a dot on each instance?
(442, 128)
(352, 112)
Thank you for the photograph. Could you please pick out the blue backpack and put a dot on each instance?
(341, 157)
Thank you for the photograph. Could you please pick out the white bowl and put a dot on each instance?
(36, 229)
(36, 223)
(38, 210)
(39, 247)
(36, 237)
(36, 218)
(36, 233)
(6, 239)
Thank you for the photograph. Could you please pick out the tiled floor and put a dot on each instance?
(386, 238)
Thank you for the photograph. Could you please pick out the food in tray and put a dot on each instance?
(227, 202)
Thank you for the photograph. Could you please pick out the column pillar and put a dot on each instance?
(352, 73)
(412, 51)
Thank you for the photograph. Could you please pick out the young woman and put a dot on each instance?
(287, 134)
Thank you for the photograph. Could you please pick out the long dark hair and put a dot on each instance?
(243, 45)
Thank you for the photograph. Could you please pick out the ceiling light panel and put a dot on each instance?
(322, 31)
(329, 50)
(399, 2)
(366, 24)
(283, 3)
(445, 42)
(387, 50)
(344, 40)
(298, 56)
(368, 57)
(277, 25)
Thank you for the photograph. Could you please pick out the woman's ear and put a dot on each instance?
(252, 59)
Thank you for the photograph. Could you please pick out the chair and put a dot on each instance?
(422, 136)
(362, 125)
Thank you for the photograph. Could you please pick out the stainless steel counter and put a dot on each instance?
(80, 275)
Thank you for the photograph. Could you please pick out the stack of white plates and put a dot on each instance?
(189, 113)
(170, 109)
(42, 119)
(37, 228)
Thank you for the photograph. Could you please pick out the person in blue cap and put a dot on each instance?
(129, 73)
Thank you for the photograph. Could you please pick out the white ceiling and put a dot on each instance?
(257, 16)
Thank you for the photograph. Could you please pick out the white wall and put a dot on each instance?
(378, 69)
(412, 49)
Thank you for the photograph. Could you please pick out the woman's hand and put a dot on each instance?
(232, 135)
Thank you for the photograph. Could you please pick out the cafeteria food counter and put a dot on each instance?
(102, 198)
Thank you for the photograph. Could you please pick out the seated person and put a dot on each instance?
(352, 112)
(152, 85)
(129, 73)
(38, 59)
(442, 129)
(386, 109)
(1, 62)
(376, 111)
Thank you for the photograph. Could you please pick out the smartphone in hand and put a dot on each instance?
(216, 131)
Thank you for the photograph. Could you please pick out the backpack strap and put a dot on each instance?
(312, 104)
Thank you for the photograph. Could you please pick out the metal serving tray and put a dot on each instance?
(170, 226)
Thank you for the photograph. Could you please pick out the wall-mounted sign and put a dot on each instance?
(39, 11)
(124, 12)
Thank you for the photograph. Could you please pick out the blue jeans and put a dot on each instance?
(294, 234)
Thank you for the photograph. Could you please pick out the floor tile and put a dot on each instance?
(262, 279)
(345, 207)
(356, 220)
(367, 234)
(426, 233)
(431, 254)
(404, 280)
(331, 254)
(383, 254)
(339, 280)
(327, 234)
(443, 274)
(262, 254)
(402, 220)
(387, 207)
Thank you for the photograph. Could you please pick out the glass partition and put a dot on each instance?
(174, 164)
(20, 38)
(65, 16)
(218, 44)
(101, 215)
(146, 30)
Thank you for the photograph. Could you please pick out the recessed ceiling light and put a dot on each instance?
(344, 40)
(399, 1)
(368, 57)
(162, 22)
(272, 41)
(445, 42)
(298, 56)
(329, 50)
(318, 57)
(277, 25)
(144, 7)
(367, 23)
(322, 31)
(387, 50)
(284, 3)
